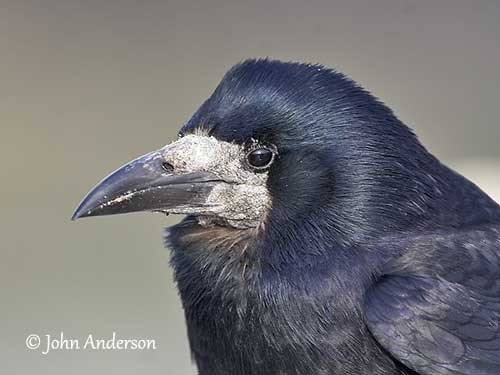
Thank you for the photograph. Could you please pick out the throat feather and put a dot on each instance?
(216, 248)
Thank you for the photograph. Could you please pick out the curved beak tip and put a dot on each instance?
(81, 211)
(77, 214)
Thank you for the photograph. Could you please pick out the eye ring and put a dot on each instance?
(261, 158)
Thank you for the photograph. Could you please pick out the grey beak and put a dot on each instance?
(145, 184)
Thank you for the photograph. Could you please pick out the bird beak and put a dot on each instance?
(144, 185)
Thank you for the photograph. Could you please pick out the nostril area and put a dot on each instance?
(167, 167)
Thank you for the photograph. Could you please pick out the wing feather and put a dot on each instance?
(437, 309)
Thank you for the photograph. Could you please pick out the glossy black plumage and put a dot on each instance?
(371, 257)
(439, 312)
(374, 259)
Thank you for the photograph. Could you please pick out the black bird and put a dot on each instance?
(321, 236)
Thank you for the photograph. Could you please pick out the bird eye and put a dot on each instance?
(260, 158)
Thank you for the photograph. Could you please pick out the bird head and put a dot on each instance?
(281, 145)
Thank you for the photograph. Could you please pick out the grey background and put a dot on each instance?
(87, 85)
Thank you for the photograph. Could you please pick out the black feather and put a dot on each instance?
(374, 259)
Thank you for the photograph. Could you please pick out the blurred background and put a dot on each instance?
(88, 85)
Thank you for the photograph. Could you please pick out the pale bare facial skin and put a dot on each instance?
(240, 200)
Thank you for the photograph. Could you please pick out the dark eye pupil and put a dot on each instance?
(260, 158)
